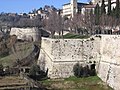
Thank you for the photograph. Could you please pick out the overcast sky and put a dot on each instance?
(18, 6)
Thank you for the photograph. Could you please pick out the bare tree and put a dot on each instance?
(54, 23)
(108, 23)
(50, 23)
(89, 22)
(59, 24)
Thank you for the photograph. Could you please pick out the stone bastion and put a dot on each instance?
(60, 55)
(29, 34)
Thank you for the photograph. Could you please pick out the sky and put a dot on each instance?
(25, 6)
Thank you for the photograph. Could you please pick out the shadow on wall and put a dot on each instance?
(84, 71)
(44, 33)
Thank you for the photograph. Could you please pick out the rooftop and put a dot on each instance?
(89, 6)
(78, 3)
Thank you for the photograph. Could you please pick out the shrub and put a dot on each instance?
(86, 71)
(1, 70)
(7, 71)
(92, 72)
(36, 73)
(78, 70)
(34, 70)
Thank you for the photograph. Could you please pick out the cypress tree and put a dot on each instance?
(109, 7)
(91, 12)
(113, 12)
(117, 15)
(97, 14)
(103, 11)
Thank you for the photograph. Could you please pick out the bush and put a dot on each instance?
(37, 74)
(78, 70)
(34, 70)
(7, 71)
(86, 71)
(92, 72)
(1, 70)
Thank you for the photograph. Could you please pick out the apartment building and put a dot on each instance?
(70, 9)
(113, 3)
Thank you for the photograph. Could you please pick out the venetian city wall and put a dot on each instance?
(109, 66)
(26, 33)
(60, 55)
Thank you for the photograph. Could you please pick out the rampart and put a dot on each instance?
(30, 34)
(60, 55)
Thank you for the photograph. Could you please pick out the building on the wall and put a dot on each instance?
(42, 12)
(113, 3)
(100, 1)
(97, 1)
(88, 8)
(70, 9)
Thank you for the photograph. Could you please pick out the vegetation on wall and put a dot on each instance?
(36, 73)
(80, 71)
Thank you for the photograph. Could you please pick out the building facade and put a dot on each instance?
(113, 3)
(88, 8)
(70, 9)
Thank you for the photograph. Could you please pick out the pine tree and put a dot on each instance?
(109, 7)
(117, 15)
(97, 14)
(103, 11)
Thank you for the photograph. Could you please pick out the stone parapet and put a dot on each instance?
(60, 55)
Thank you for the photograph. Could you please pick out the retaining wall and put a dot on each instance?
(60, 55)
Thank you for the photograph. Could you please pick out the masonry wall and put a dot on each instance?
(26, 33)
(109, 66)
(59, 56)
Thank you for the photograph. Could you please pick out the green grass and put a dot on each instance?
(12, 83)
(11, 80)
(73, 83)
(72, 36)
(88, 79)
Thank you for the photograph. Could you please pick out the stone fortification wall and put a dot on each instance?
(109, 66)
(60, 55)
(26, 33)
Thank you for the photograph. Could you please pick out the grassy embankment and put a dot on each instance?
(72, 36)
(12, 83)
(23, 49)
(73, 83)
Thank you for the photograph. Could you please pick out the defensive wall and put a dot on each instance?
(30, 34)
(60, 55)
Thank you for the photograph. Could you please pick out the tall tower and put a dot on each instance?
(73, 7)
